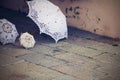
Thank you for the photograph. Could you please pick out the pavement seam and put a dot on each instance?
(17, 62)
(56, 70)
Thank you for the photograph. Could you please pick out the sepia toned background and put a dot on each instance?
(97, 16)
(83, 56)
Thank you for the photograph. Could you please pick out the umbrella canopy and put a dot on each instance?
(27, 40)
(49, 18)
(8, 32)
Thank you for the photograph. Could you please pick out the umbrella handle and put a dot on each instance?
(32, 33)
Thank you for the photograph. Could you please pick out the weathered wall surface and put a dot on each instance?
(97, 16)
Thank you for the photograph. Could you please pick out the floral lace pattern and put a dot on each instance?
(8, 32)
(27, 40)
(7, 28)
(45, 21)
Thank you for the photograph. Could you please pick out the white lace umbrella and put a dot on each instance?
(27, 40)
(49, 18)
(8, 32)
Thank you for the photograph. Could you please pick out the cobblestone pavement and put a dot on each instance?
(83, 56)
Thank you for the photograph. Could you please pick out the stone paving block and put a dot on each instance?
(106, 68)
(13, 50)
(96, 45)
(8, 60)
(11, 71)
(27, 71)
(65, 77)
(90, 70)
(111, 58)
(72, 48)
(107, 72)
(41, 59)
(80, 72)
(59, 44)
(102, 76)
(42, 49)
(43, 73)
(74, 58)
(107, 48)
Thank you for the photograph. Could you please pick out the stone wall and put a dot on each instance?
(97, 16)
